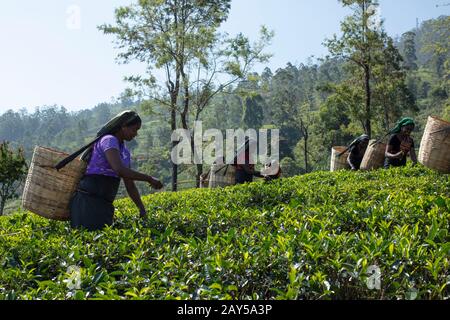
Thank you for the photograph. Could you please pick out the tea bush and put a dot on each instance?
(317, 236)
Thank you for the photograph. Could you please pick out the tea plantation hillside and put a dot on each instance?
(317, 236)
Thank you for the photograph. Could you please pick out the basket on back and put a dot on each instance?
(222, 175)
(434, 149)
(339, 162)
(47, 191)
(374, 156)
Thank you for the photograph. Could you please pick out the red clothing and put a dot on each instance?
(244, 158)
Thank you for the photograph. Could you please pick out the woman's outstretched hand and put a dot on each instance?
(155, 183)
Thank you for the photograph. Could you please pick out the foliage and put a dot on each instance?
(391, 96)
(409, 50)
(320, 99)
(308, 237)
(13, 169)
(376, 79)
(252, 111)
(180, 39)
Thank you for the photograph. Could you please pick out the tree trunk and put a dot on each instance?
(368, 127)
(2, 205)
(199, 173)
(184, 114)
(175, 90)
(199, 166)
(173, 123)
(306, 152)
(174, 144)
(304, 130)
(366, 67)
(184, 121)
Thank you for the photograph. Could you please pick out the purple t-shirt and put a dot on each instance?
(99, 164)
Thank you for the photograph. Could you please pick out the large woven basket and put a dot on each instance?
(434, 149)
(374, 156)
(47, 191)
(222, 175)
(339, 162)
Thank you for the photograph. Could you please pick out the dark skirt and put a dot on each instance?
(243, 177)
(91, 206)
(394, 162)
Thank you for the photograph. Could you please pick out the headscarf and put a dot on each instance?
(124, 118)
(354, 143)
(398, 127)
(402, 123)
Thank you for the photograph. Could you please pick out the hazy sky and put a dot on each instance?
(49, 56)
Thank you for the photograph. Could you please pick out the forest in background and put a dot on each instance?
(316, 105)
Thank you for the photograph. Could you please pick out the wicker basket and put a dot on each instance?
(434, 149)
(222, 175)
(374, 156)
(339, 162)
(47, 191)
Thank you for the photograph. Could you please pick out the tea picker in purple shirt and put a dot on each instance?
(109, 160)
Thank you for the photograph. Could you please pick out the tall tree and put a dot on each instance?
(304, 118)
(391, 95)
(362, 35)
(13, 169)
(409, 50)
(438, 33)
(11, 126)
(252, 111)
(284, 102)
(166, 35)
(230, 60)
